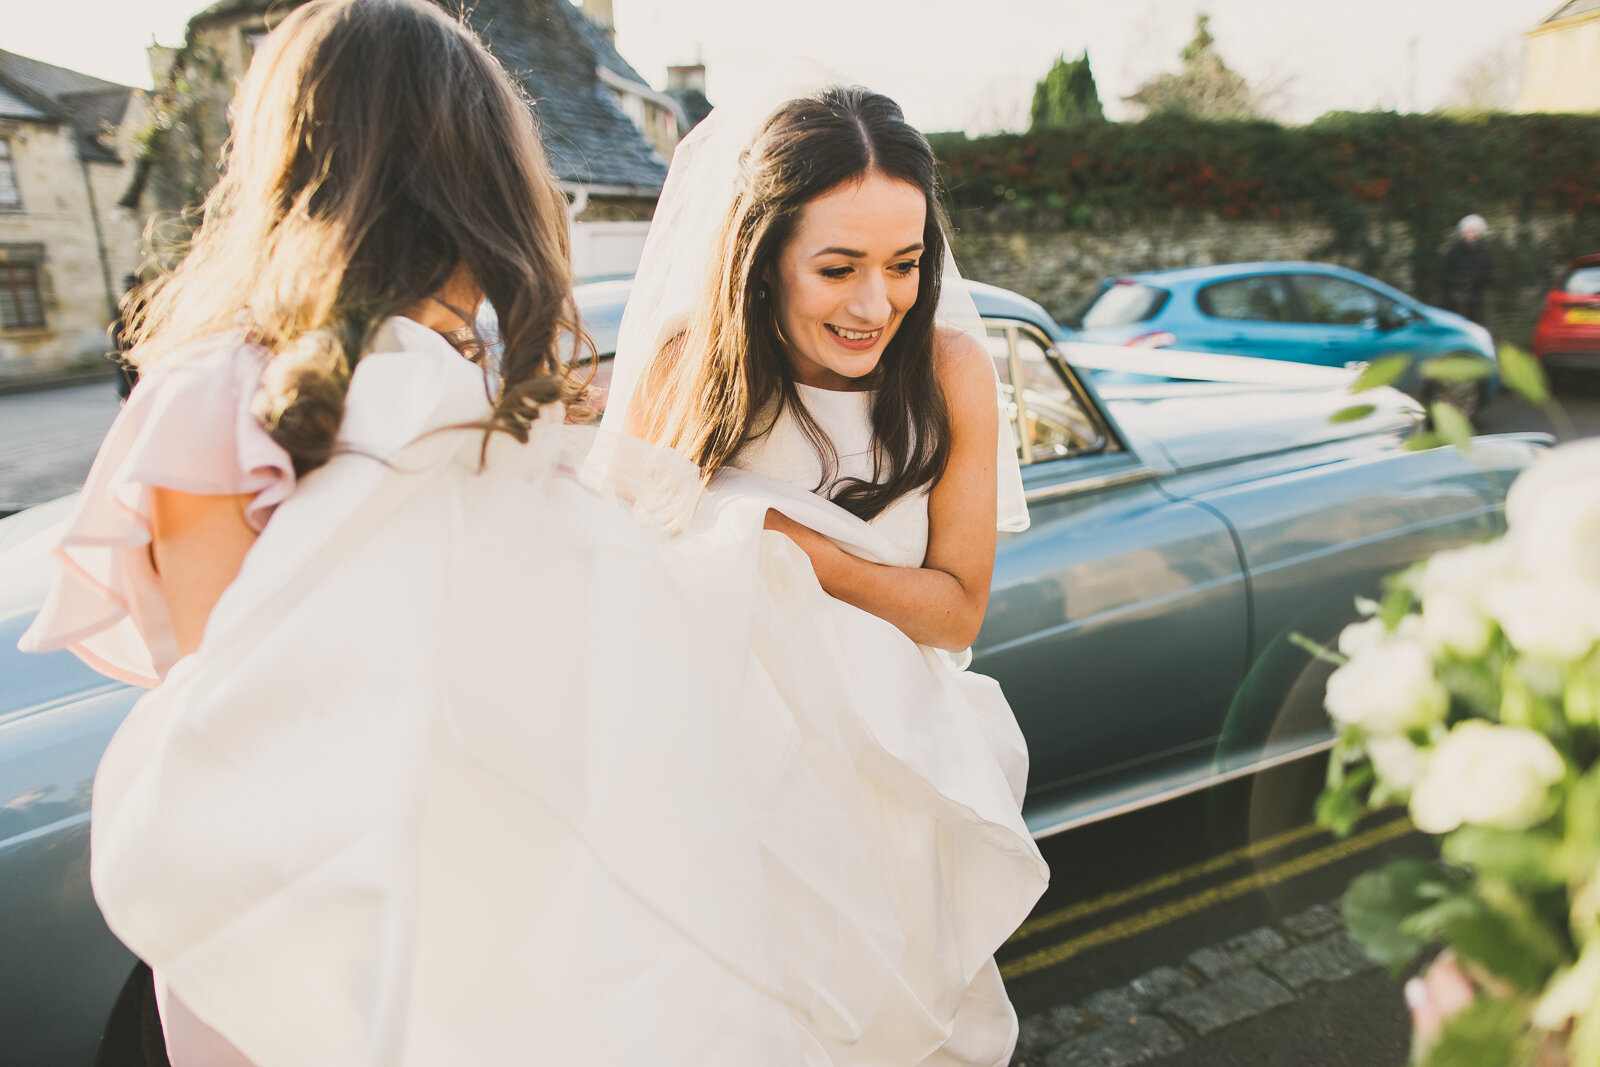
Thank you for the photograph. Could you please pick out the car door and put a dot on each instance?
(1117, 623)
(1344, 319)
(64, 967)
(1251, 316)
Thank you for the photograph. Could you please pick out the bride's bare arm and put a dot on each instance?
(942, 602)
(197, 544)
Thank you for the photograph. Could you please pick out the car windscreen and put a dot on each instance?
(1125, 303)
(1585, 281)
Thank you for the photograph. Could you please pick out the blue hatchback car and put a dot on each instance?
(1302, 312)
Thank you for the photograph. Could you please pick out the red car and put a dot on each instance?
(1567, 337)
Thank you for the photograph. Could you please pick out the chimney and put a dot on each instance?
(599, 12)
(692, 76)
(161, 59)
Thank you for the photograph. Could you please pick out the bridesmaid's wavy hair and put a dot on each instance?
(377, 147)
(721, 381)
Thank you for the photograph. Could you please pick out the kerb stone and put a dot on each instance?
(1328, 960)
(1138, 1040)
(1241, 995)
(1237, 953)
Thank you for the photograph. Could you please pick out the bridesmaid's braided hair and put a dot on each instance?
(377, 148)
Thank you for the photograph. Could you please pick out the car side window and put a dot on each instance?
(1048, 416)
(1585, 281)
(1256, 299)
(1334, 301)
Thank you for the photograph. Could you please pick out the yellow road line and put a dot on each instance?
(1178, 909)
(1221, 861)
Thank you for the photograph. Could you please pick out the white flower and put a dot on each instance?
(1465, 572)
(1571, 992)
(1553, 510)
(1397, 761)
(1387, 689)
(1455, 623)
(1487, 775)
(1544, 618)
(1359, 636)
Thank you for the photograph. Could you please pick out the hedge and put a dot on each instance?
(1346, 169)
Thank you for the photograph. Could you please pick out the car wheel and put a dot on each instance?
(133, 1035)
(1465, 397)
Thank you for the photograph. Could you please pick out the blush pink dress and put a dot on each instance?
(188, 427)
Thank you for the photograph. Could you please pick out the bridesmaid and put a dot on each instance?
(382, 165)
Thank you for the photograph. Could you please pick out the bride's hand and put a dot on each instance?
(820, 550)
(1435, 996)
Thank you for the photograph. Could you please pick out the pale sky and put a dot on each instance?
(952, 65)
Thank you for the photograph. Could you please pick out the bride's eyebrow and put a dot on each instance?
(853, 253)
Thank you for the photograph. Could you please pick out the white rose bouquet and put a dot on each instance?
(1472, 694)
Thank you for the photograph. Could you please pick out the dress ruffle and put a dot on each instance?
(188, 427)
(475, 767)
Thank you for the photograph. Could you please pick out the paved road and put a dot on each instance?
(1197, 934)
(48, 439)
(1205, 933)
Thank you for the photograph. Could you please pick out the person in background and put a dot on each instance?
(1467, 269)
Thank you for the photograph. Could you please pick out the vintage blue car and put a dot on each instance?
(1306, 312)
(1181, 533)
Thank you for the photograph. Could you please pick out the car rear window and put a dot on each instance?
(1124, 303)
(1585, 281)
(1259, 298)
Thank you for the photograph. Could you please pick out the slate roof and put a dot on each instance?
(553, 49)
(694, 103)
(1572, 8)
(56, 94)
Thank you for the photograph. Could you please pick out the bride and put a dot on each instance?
(800, 338)
(464, 748)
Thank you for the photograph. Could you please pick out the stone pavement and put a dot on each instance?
(48, 439)
(1170, 1009)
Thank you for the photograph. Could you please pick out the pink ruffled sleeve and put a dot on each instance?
(188, 427)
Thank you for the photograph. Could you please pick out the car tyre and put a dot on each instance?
(133, 1035)
(1465, 397)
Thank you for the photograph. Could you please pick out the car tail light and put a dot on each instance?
(1155, 339)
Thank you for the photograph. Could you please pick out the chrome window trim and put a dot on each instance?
(1049, 827)
(1014, 329)
(1090, 484)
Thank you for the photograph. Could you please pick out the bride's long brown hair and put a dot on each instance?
(721, 380)
(377, 148)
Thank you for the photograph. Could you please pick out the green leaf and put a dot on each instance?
(1354, 413)
(1421, 442)
(1525, 858)
(1377, 904)
(1385, 370)
(1522, 374)
(1317, 650)
(1451, 426)
(1396, 605)
(1457, 369)
(1581, 694)
(1344, 798)
(1489, 1032)
(1505, 935)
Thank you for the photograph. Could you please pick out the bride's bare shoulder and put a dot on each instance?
(964, 369)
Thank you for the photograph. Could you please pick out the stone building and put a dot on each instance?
(1562, 67)
(607, 132)
(65, 241)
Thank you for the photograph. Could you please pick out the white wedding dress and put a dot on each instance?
(503, 766)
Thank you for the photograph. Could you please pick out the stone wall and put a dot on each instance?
(56, 220)
(1061, 268)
